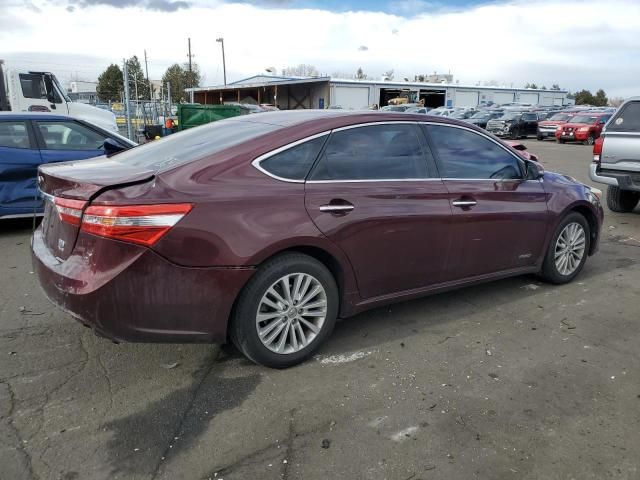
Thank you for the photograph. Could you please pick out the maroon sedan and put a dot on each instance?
(264, 229)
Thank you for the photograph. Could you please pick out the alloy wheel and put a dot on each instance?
(291, 313)
(570, 248)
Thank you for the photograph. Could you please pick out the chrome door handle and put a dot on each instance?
(464, 203)
(336, 208)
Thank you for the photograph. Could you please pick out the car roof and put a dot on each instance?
(33, 116)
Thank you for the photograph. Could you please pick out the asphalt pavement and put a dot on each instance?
(515, 379)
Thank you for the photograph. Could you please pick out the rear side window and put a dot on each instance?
(195, 143)
(466, 154)
(376, 152)
(14, 135)
(627, 119)
(294, 163)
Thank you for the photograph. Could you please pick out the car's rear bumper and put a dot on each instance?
(146, 298)
(624, 180)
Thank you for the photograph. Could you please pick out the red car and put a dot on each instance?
(584, 127)
(264, 229)
(547, 128)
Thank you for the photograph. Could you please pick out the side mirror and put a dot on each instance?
(534, 170)
(111, 147)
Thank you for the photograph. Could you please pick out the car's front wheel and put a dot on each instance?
(286, 311)
(621, 201)
(568, 250)
(591, 139)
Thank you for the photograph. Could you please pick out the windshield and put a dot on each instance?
(61, 90)
(195, 143)
(510, 116)
(481, 115)
(561, 117)
(582, 119)
(460, 115)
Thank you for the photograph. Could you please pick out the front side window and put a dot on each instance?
(14, 135)
(294, 163)
(62, 135)
(466, 154)
(33, 86)
(376, 152)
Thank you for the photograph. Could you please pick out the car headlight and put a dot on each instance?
(594, 195)
(559, 128)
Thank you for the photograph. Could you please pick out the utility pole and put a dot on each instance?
(224, 65)
(146, 68)
(125, 74)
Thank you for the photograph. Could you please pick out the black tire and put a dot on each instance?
(621, 201)
(243, 331)
(591, 140)
(515, 134)
(559, 140)
(539, 138)
(550, 272)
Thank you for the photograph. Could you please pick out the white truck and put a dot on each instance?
(41, 92)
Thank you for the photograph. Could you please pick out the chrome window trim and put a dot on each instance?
(429, 179)
(481, 134)
(256, 162)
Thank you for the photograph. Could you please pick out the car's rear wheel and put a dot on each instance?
(286, 311)
(621, 201)
(568, 250)
(539, 137)
(590, 140)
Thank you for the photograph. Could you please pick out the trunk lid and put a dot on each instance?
(69, 187)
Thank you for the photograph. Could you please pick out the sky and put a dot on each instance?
(576, 44)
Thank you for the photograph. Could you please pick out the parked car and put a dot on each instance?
(28, 140)
(264, 229)
(616, 157)
(583, 127)
(482, 117)
(462, 114)
(548, 128)
(422, 110)
(514, 125)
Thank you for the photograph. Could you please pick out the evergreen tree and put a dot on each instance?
(110, 84)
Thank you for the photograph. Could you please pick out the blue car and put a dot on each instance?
(28, 140)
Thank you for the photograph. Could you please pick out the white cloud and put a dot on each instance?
(579, 44)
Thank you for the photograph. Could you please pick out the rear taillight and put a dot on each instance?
(597, 149)
(69, 210)
(142, 224)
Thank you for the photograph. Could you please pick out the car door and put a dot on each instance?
(68, 139)
(530, 123)
(40, 93)
(374, 192)
(499, 218)
(19, 161)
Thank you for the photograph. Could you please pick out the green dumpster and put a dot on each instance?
(195, 114)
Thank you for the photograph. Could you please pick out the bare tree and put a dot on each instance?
(360, 75)
(302, 70)
(388, 75)
(616, 101)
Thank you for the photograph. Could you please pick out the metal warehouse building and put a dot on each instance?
(290, 93)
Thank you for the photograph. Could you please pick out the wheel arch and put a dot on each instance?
(587, 212)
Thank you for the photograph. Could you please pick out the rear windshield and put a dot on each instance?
(194, 144)
(627, 119)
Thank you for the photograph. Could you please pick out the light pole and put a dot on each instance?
(224, 65)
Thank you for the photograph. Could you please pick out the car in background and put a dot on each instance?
(462, 114)
(422, 110)
(28, 140)
(548, 127)
(584, 127)
(616, 157)
(482, 117)
(263, 229)
(514, 125)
